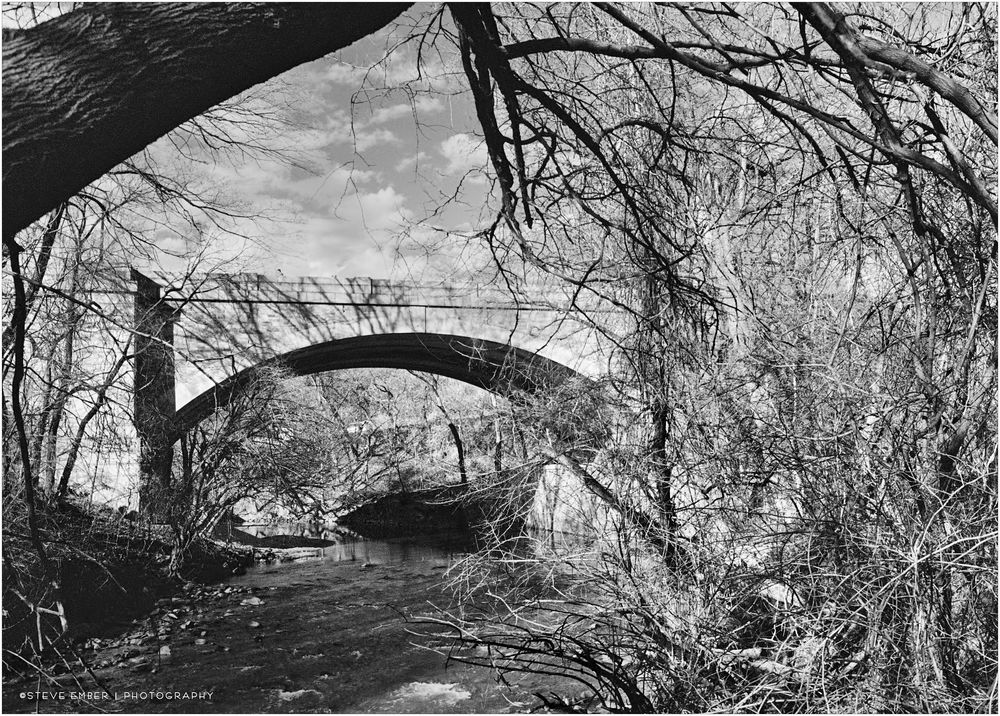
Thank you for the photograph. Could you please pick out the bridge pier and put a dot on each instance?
(153, 388)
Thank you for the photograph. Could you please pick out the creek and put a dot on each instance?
(340, 633)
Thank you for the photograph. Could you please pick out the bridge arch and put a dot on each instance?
(497, 367)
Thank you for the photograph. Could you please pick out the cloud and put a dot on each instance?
(334, 182)
(463, 153)
(395, 111)
(412, 161)
(312, 144)
(340, 128)
(421, 105)
(327, 246)
(431, 73)
(365, 139)
(352, 235)
(383, 210)
(355, 237)
(342, 73)
(326, 210)
(428, 104)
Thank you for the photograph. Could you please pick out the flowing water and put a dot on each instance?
(347, 632)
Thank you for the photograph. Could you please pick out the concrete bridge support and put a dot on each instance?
(154, 387)
(564, 515)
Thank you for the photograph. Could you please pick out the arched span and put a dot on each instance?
(496, 367)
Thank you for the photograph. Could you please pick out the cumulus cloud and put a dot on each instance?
(388, 114)
(426, 103)
(355, 237)
(323, 209)
(383, 210)
(421, 105)
(411, 161)
(327, 246)
(342, 73)
(365, 139)
(463, 152)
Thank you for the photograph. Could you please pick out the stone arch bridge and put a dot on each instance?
(199, 340)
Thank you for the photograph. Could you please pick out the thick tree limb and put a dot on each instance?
(835, 31)
(89, 89)
(885, 142)
(945, 85)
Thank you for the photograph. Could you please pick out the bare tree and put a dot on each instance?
(267, 446)
(791, 209)
(73, 113)
(789, 204)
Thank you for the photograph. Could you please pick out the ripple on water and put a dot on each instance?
(295, 695)
(449, 694)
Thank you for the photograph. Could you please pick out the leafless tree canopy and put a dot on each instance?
(786, 214)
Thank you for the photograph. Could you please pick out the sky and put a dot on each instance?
(370, 155)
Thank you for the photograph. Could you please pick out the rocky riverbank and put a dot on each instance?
(310, 636)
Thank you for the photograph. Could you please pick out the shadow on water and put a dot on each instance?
(333, 544)
(425, 548)
(324, 546)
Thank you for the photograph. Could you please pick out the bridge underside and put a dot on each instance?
(496, 367)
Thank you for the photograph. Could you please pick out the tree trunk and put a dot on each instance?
(178, 551)
(41, 429)
(653, 352)
(72, 318)
(461, 452)
(498, 437)
(41, 265)
(87, 90)
(62, 490)
(661, 466)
